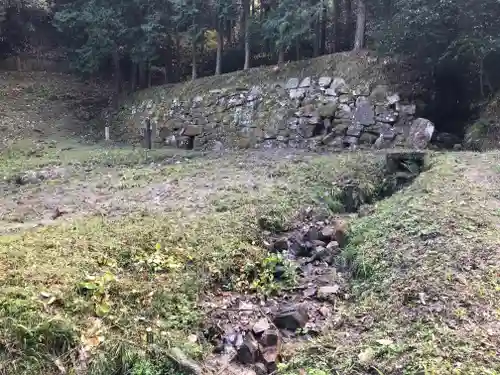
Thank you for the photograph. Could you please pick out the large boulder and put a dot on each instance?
(421, 132)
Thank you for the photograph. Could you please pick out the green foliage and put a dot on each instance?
(98, 290)
(287, 23)
(264, 274)
(437, 33)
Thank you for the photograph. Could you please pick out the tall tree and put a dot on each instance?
(348, 22)
(246, 30)
(359, 37)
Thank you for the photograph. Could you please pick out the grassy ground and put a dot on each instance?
(102, 281)
(88, 292)
(426, 287)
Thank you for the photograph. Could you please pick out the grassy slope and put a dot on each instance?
(439, 237)
(428, 263)
(484, 134)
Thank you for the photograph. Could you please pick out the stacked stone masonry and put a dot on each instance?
(311, 113)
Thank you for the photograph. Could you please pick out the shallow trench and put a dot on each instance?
(248, 331)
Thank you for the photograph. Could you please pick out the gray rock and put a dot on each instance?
(306, 129)
(29, 177)
(333, 140)
(306, 82)
(315, 120)
(270, 358)
(333, 245)
(261, 326)
(292, 83)
(387, 116)
(292, 318)
(344, 98)
(327, 110)
(361, 90)
(254, 93)
(389, 134)
(260, 369)
(364, 113)
(297, 94)
(355, 130)
(249, 350)
(421, 132)
(327, 233)
(393, 99)
(368, 138)
(408, 109)
(270, 337)
(340, 127)
(350, 140)
(326, 292)
(330, 92)
(327, 124)
(312, 234)
(339, 86)
(378, 128)
(217, 146)
(325, 82)
(185, 363)
(382, 143)
(191, 130)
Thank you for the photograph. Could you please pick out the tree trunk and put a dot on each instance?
(133, 76)
(178, 69)
(317, 31)
(281, 56)
(337, 37)
(150, 74)
(348, 23)
(481, 78)
(116, 71)
(322, 48)
(359, 37)
(246, 13)
(297, 49)
(168, 60)
(194, 73)
(142, 75)
(229, 32)
(316, 38)
(220, 44)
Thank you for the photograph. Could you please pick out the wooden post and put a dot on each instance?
(106, 133)
(149, 134)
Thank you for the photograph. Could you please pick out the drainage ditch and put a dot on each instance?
(248, 331)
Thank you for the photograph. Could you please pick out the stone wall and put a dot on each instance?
(307, 112)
